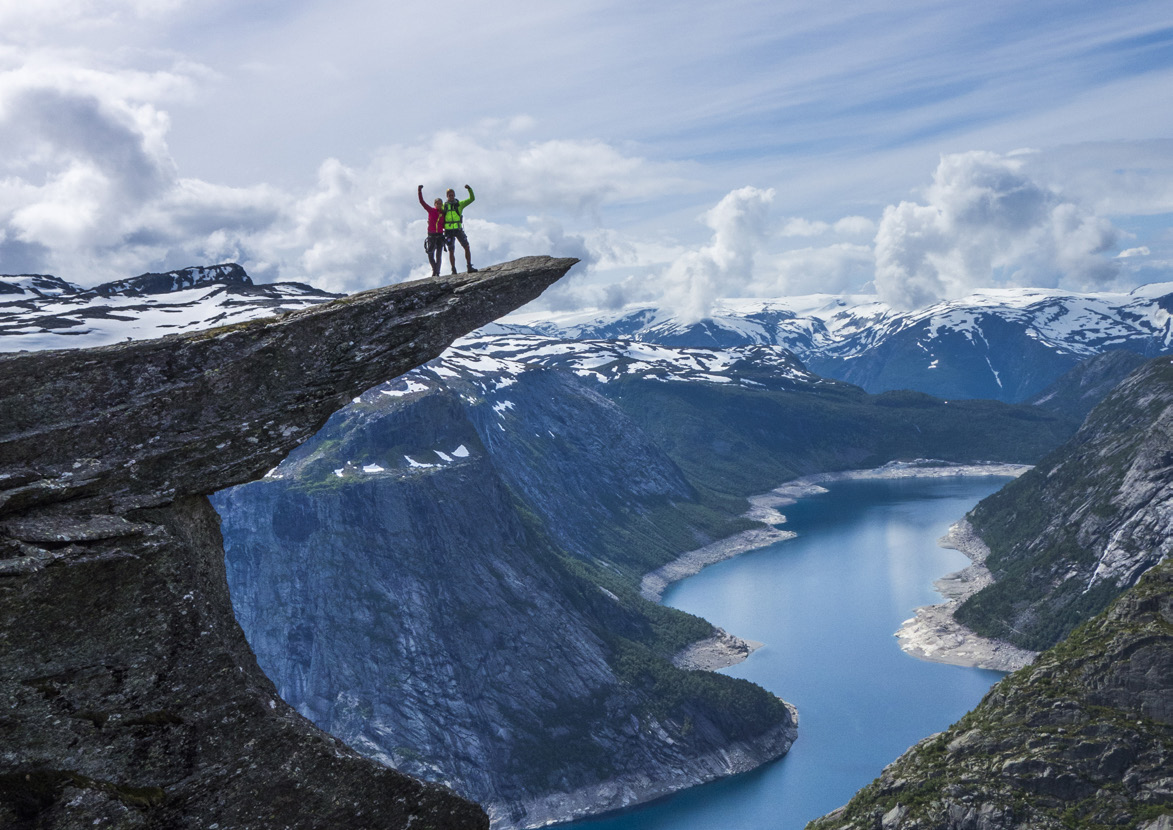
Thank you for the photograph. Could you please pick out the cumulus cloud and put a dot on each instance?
(986, 222)
(725, 266)
(855, 226)
(797, 226)
(89, 190)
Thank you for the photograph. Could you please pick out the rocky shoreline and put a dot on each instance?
(934, 635)
(931, 635)
(630, 790)
(717, 652)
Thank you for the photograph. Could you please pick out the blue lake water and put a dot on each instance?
(826, 605)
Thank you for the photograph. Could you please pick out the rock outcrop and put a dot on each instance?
(132, 697)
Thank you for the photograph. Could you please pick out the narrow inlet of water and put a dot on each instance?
(827, 605)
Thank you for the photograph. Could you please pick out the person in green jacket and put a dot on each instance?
(454, 227)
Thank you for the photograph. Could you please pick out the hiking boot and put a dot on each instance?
(472, 270)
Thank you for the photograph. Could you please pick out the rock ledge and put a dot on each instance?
(133, 698)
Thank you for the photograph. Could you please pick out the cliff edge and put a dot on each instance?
(133, 698)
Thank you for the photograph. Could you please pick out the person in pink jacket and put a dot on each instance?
(434, 244)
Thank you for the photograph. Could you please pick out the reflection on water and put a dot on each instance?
(827, 605)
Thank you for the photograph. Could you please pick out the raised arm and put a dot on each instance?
(420, 193)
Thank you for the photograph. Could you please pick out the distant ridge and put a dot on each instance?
(1006, 344)
(228, 273)
(39, 311)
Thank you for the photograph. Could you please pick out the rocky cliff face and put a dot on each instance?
(1069, 536)
(1080, 739)
(1077, 392)
(437, 578)
(135, 700)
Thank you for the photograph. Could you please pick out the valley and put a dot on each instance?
(451, 574)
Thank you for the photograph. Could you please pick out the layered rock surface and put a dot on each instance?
(134, 700)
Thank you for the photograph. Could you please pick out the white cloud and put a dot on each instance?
(725, 266)
(855, 226)
(798, 226)
(89, 190)
(986, 222)
(847, 226)
(830, 269)
(1143, 250)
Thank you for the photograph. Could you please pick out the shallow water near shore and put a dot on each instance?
(827, 605)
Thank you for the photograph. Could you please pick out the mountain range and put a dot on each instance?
(1006, 344)
(44, 312)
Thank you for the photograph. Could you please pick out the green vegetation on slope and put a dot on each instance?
(1048, 529)
(734, 442)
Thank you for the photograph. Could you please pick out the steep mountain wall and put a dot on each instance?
(135, 700)
(1067, 537)
(424, 580)
(1077, 392)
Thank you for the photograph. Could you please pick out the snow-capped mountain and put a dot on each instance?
(762, 366)
(44, 312)
(1005, 344)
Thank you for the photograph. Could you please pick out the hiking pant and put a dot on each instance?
(435, 249)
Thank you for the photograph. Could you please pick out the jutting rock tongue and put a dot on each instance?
(133, 697)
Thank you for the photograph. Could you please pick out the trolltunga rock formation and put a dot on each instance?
(131, 698)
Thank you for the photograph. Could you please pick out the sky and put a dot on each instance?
(915, 149)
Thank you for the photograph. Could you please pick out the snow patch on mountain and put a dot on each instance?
(847, 326)
(42, 312)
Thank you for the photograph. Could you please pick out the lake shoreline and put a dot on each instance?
(933, 634)
(930, 635)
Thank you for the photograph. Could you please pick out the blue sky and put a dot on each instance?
(684, 152)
